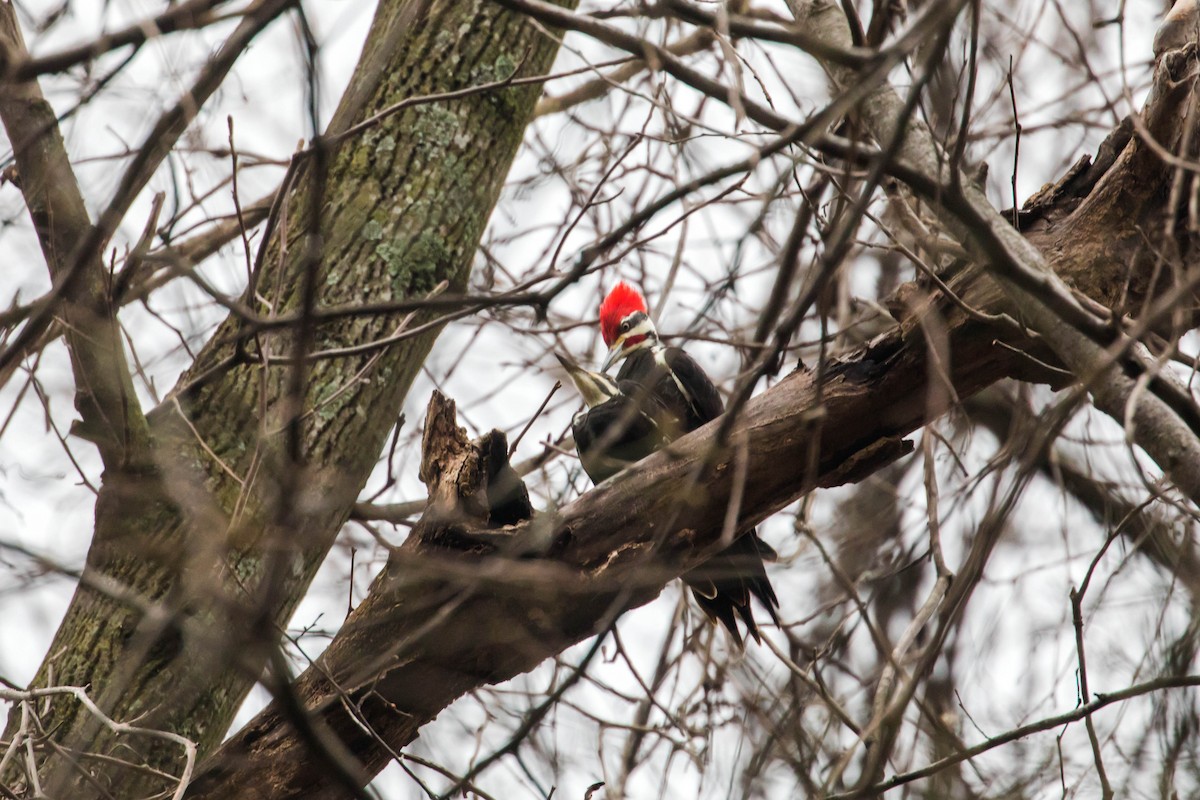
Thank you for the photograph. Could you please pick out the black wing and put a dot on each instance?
(615, 434)
(677, 382)
(705, 400)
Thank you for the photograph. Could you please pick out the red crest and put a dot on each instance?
(622, 301)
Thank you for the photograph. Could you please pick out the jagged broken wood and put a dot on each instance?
(471, 597)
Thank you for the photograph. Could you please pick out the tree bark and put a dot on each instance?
(201, 554)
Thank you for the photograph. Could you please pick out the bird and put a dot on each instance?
(678, 397)
(672, 376)
(618, 425)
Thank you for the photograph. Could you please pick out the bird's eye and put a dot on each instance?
(624, 327)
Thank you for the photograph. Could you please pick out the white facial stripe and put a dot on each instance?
(644, 328)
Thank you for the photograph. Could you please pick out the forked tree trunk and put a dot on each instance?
(255, 468)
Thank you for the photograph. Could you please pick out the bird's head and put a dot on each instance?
(593, 386)
(625, 324)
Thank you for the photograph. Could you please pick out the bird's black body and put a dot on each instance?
(677, 382)
(623, 429)
(724, 583)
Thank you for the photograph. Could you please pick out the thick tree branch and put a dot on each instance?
(1033, 289)
(211, 530)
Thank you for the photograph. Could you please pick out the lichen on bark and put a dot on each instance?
(211, 533)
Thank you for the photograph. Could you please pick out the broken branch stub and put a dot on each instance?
(472, 486)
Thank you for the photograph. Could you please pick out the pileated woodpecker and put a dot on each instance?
(670, 394)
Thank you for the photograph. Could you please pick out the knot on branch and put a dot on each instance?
(866, 462)
(473, 488)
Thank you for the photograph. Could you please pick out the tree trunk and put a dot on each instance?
(200, 557)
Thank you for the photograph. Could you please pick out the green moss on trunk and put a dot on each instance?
(214, 535)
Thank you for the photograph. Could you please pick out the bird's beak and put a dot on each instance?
(614, 354)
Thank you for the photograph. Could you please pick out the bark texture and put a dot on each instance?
(201, 553)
